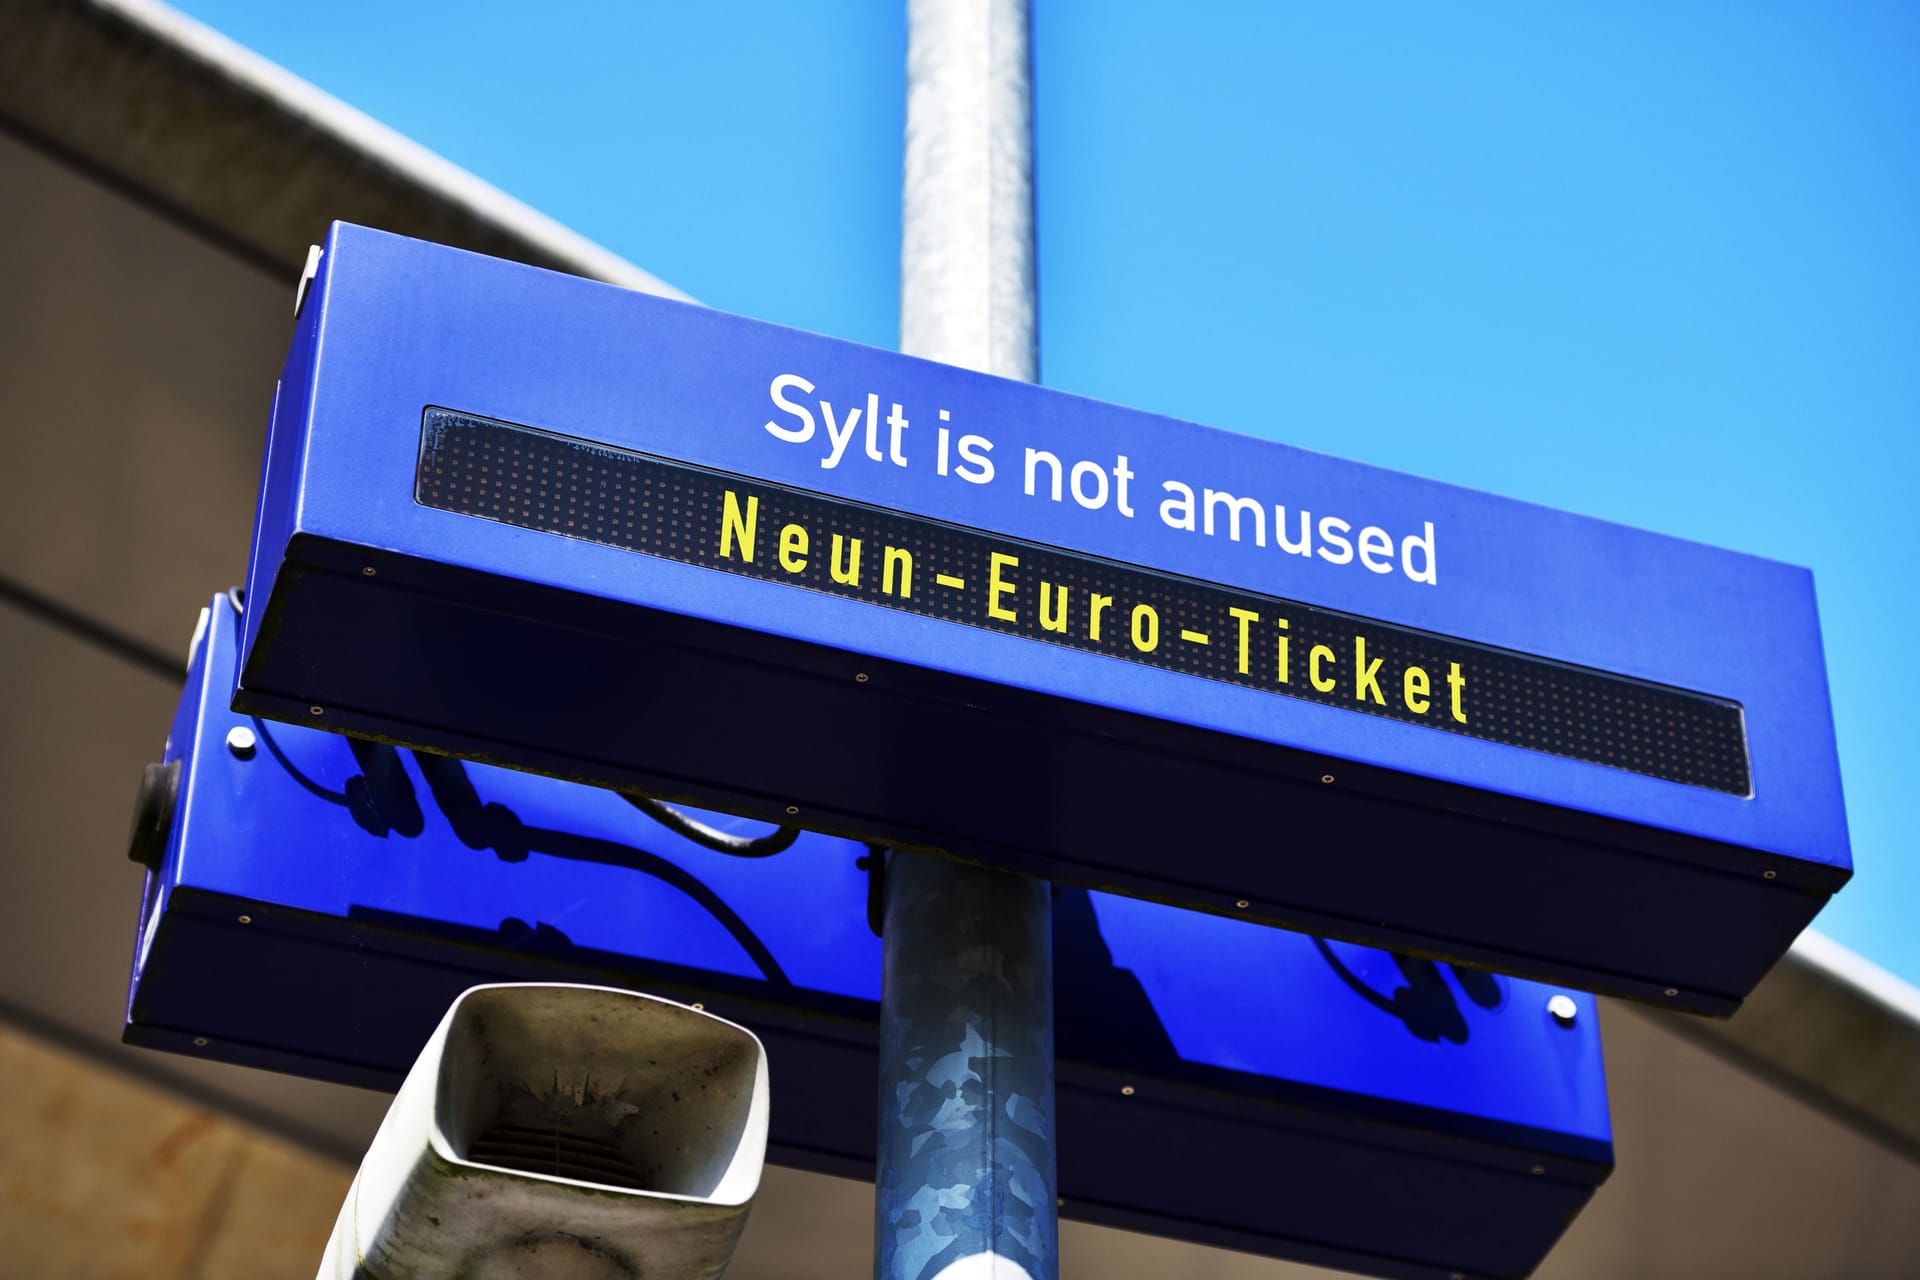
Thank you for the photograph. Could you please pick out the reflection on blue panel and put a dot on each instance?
(358, 831)
(1238, 995)
(463, 842)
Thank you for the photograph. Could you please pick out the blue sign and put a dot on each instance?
(526, 518)
(317, 901)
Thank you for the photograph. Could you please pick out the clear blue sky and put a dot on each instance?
(1653, 262)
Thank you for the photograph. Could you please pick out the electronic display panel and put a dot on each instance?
(532, 520)
(579, 489)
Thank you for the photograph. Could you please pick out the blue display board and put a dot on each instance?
(522, 517)
(317, 901)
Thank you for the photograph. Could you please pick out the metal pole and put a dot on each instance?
(965, 1187)
(966, 243)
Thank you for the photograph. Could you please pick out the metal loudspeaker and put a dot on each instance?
(561, 1133)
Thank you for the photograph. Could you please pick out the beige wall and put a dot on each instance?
(105, 1177)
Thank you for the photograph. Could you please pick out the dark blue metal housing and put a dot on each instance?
(521, 517)
(321, 900)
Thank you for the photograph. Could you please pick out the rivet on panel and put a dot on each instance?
(241, 742)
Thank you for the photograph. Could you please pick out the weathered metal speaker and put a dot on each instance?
(561, 1132)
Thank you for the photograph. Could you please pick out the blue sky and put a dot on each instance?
(1657, 263)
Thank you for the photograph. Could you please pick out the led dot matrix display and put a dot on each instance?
(539, 480)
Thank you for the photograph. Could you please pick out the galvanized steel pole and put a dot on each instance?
(966, 244)
(965, 1187)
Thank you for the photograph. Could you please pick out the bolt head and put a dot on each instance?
(242, 742)
(1563, 1009)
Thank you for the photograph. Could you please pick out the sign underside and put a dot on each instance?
(320, 900)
